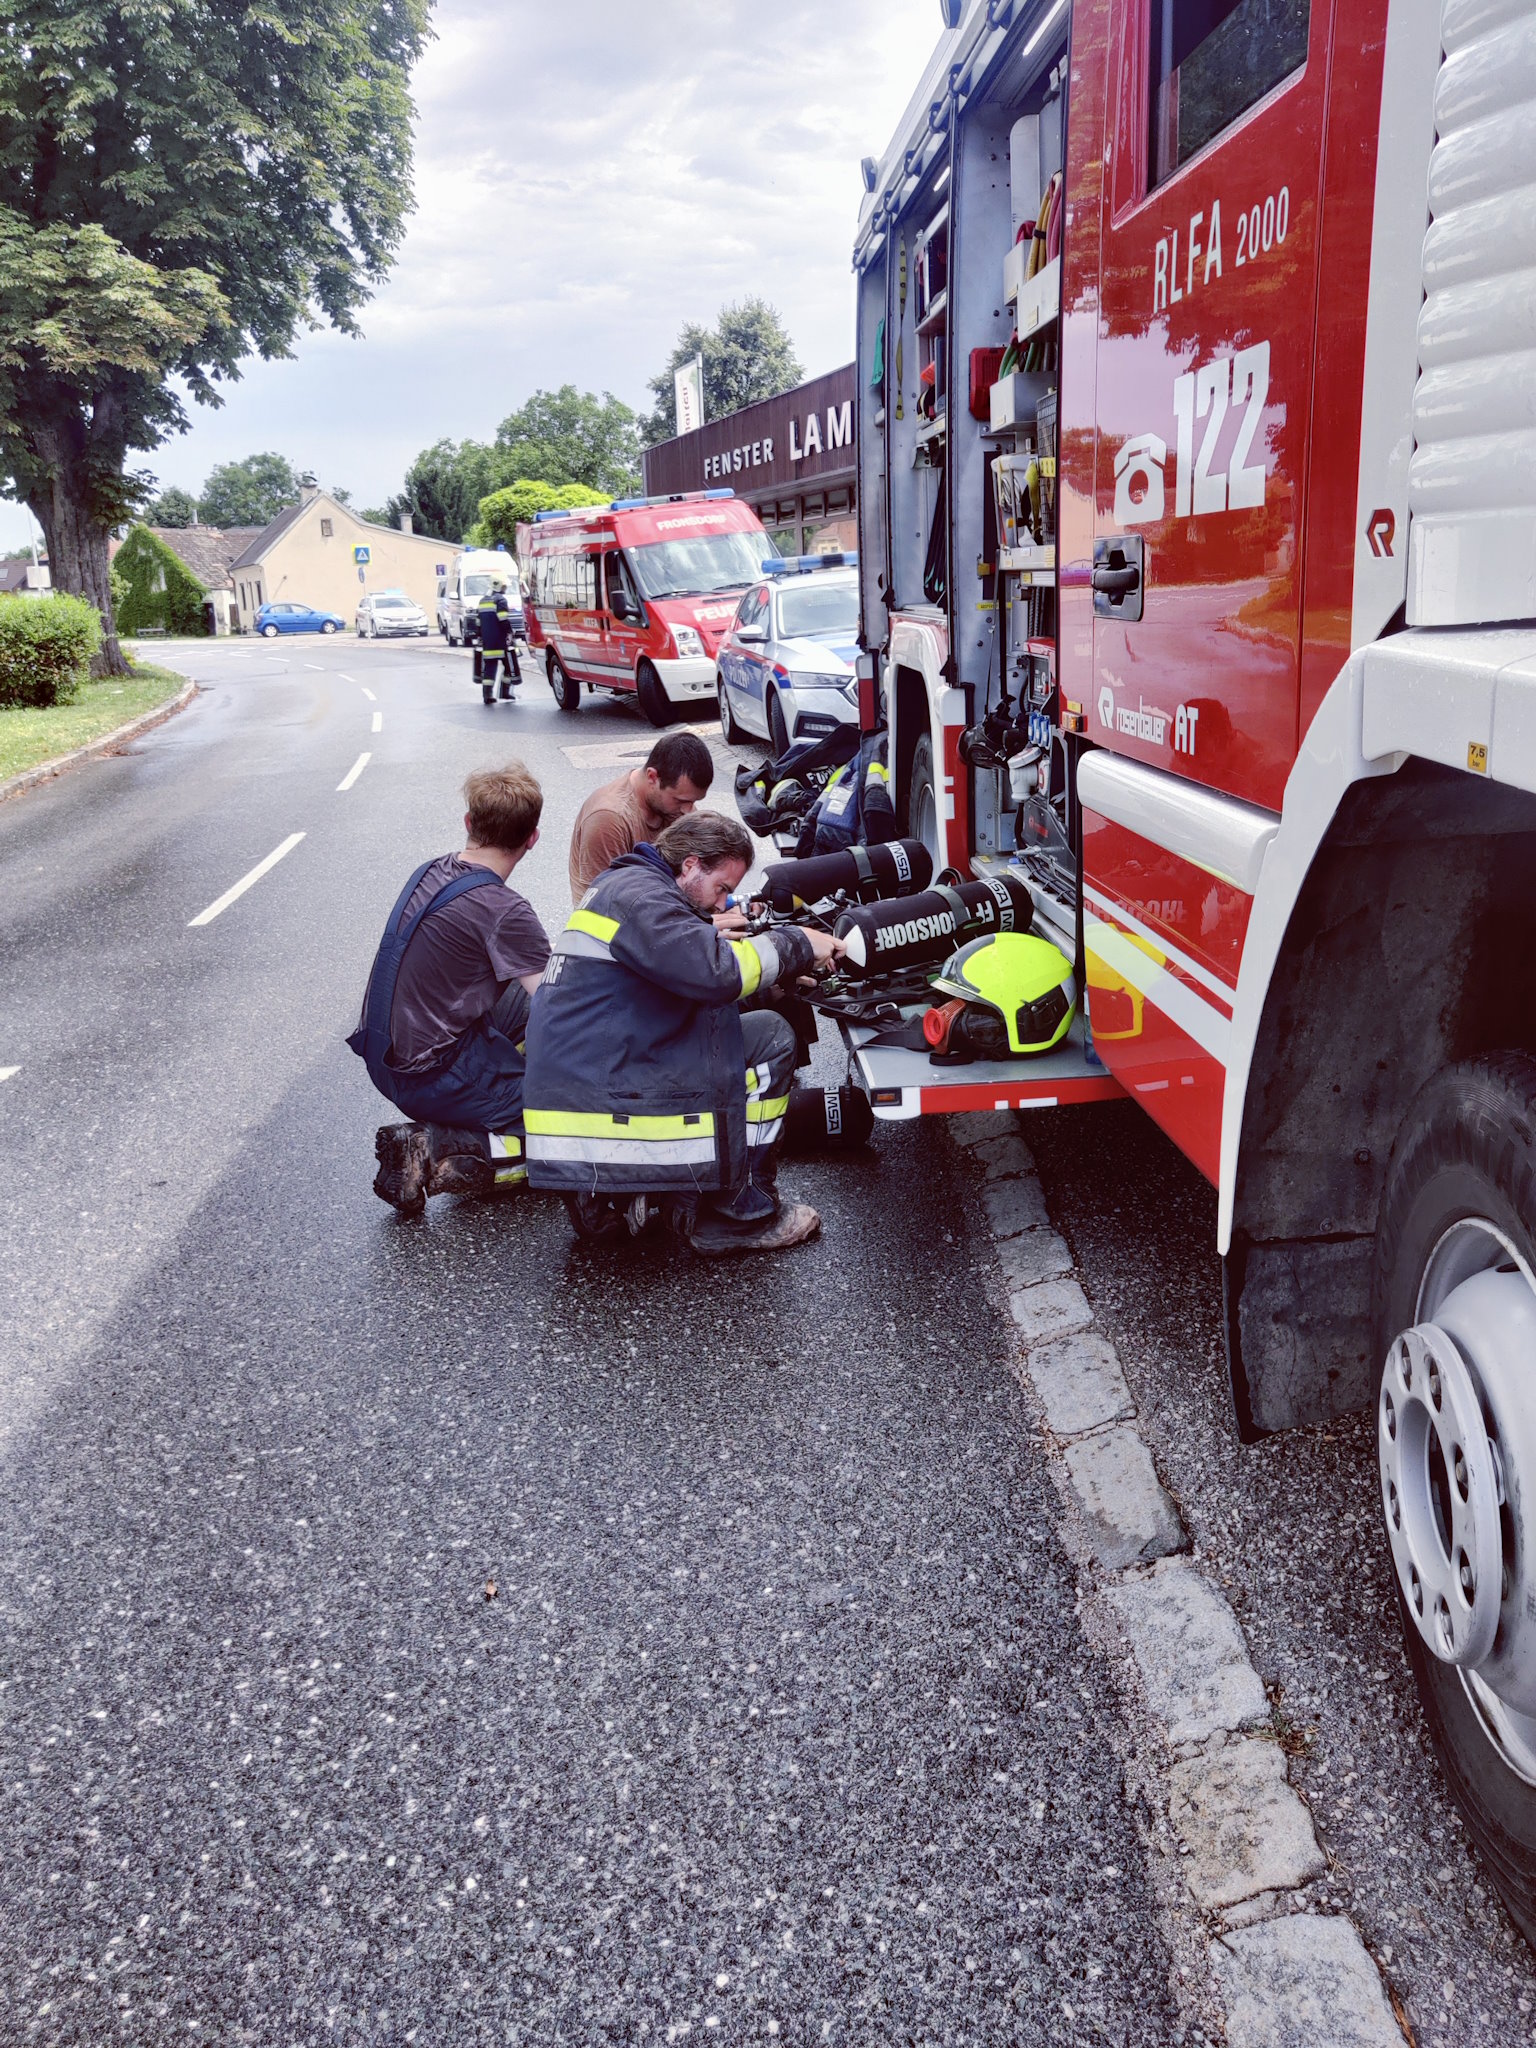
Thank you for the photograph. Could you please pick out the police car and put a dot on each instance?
(785, 669)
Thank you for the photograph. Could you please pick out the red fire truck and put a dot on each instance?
(637, 595)
(1197, 504)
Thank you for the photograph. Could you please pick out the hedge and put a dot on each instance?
(46, 644)
(158, 587)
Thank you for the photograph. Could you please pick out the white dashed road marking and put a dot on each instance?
(378, 721)
(353, 772)
(6, 1072)
(366, 692)
(249, 881)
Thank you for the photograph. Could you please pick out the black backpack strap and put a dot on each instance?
(371, 1041)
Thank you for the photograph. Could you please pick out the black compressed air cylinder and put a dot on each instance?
(917, 931)
(827, 1120)
(900, 867)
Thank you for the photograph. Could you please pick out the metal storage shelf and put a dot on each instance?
(904, 1084)
(933, 430)
(933, 319)
(1036, 299)
(1030, 561)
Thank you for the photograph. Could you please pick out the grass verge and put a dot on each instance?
(29, 738)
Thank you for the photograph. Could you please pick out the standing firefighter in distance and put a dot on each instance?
(443, 1020)
(644, 1077)
(493, 615)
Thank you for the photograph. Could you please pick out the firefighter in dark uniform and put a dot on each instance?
(644, 1074)
(493, 615)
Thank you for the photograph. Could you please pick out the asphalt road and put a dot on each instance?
(780, 1725)
(1290, 1528)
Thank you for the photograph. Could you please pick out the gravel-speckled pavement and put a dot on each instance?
(780, 1724)
(1290, 1529)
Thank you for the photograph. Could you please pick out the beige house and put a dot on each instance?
(306, 556)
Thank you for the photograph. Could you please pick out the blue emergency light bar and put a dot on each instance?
(802, 565)
(669, 498)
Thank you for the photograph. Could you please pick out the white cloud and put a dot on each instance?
(588, 178)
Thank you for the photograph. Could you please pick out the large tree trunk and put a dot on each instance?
(74, 529)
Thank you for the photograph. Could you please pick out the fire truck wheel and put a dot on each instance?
(923, 801)
(567, 690)
(778, 731)
(1454, 1320)
(654, 701)
(735, 735)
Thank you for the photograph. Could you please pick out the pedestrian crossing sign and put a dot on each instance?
(361, 555)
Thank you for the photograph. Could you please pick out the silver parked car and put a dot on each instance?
(383, 613)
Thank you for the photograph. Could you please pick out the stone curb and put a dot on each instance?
(45, 771)
(1287, 1977)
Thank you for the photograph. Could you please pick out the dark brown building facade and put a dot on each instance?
(791, 457)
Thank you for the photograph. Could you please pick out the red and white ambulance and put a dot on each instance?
(636, 596)
(1197, 508)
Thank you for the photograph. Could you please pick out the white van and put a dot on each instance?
(470, 577)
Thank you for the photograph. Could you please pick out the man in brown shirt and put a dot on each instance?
(638, 805)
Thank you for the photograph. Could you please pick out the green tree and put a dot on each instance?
(171, 508)
(747, 356)
(179, 186)
(504, 510)
(443, 488)
(574, 436)
(250, 492)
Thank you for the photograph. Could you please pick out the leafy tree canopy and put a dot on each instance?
(443, 488)
(574, 436)
(250, 492)
(181, 185)
(503, 511)
(171, 508)
(747, 354)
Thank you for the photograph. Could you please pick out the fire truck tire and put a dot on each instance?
(1460, 1200)
(923, 801)
(654, 701)
(778, 731)
(565, 686)
(735, 735)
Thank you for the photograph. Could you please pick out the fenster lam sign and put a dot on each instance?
(801, 437)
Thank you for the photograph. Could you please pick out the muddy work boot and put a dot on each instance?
(715, 1236)
(458, 1163)
(405, 1166)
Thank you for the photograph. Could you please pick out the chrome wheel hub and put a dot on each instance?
(1440, 1488)
(1456, 1443)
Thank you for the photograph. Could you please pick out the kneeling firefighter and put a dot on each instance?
(644, 1077)
(493, 615)
(443, 1021)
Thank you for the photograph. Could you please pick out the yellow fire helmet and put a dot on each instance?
(1026, 980)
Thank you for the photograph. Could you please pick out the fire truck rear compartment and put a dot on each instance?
(1411, 946)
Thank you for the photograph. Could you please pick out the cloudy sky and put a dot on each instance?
(587, 178)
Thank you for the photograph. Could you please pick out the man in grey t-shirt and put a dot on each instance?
(442, 1021)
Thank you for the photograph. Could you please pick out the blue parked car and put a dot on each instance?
(284, 617)
(785, 668)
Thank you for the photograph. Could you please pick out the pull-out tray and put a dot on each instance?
(900, 1083)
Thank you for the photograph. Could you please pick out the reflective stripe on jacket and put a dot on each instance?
(636, 1075)
(493, 613)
